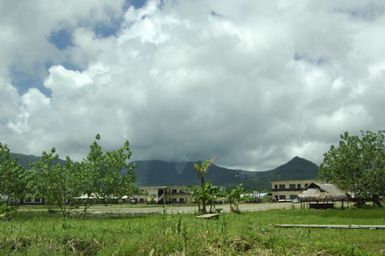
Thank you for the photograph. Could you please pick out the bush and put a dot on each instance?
(7, 212)
(267, 199)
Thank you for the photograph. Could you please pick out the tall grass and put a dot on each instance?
(32, 233)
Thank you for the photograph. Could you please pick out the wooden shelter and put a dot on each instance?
(321, 196)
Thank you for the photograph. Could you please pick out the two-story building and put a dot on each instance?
(163, 194)
(288, 190)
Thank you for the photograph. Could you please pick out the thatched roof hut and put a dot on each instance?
(322, 192)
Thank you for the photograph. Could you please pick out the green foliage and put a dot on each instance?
(13, 178)
(7, 212)
(233, 196)
(48, 179)
(203, 168)
(57, 182)
(357, 164)
(206, 191)
(101, 176)
(205, 195)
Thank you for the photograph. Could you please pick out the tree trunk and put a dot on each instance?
(360, 202)
(376, 201)
(204, 206)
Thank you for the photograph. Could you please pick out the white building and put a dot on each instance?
(163, 194)
(288, 190)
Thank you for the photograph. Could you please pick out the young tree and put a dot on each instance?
(202, 193)
(233, 196)
(214, 193)
(106, 175)
(70, 186)
(357, 165)
(206, 195)
(48, 179)
(203, 168)
(13, 177)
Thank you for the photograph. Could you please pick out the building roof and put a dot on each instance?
(322, 192)
(293, 180)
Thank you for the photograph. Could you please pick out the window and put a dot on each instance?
(275, 186)
(174, 191)
(282, 186)
(306, 185)
(293, 197)
(282, 197)
(298, 185)
(291, 186)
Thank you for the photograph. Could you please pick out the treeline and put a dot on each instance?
(100, 176)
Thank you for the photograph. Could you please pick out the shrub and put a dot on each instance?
(7, 212)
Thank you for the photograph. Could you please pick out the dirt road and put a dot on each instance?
(175, 209)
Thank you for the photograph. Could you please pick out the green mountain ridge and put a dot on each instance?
(155, 173)
(161, 173)
(24, 160)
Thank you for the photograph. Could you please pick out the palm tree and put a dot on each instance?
(233, 196)
(202, 194)
(203, 168)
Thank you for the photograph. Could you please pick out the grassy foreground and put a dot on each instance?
(30, 233)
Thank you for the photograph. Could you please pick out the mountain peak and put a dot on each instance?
(297, 158)
(297, 167)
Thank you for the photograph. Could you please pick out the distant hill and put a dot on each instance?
(24, 160)
(154, 172)
(151, 173)
(296, 168)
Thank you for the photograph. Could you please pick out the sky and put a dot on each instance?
(252, 83)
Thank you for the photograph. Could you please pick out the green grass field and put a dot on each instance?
(37, 233)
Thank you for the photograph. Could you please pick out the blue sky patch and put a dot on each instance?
(106, 30)
(23, 81)
(136, 3)
(61, 39)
